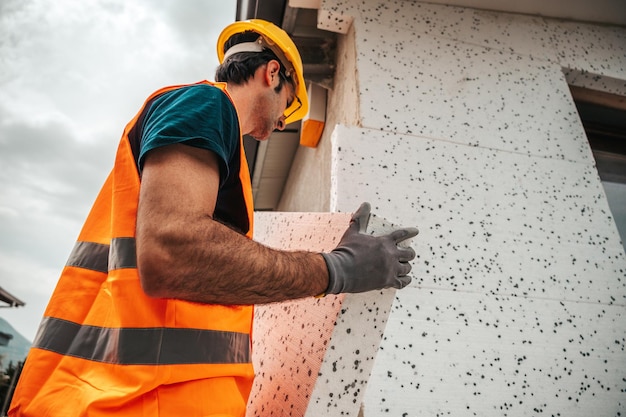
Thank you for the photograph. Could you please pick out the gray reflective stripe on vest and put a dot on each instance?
(103, 258)
(135, 346)
(142, 346)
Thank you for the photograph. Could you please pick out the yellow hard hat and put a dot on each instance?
(276, 39)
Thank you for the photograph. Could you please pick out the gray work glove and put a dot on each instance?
(363, 263)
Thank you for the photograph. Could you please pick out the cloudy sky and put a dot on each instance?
(72, 74)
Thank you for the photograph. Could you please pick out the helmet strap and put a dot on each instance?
(258, 46)
(243, 47)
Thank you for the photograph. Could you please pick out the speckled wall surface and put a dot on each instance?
(467, 129)
(518, 300)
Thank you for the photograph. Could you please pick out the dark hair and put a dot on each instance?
(240, 67)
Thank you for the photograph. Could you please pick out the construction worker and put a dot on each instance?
(152, 314)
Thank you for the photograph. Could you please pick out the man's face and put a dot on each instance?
(270, 109)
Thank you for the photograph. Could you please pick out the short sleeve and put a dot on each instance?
(199, 115)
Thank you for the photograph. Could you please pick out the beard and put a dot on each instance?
(262, 134)
(265, 123)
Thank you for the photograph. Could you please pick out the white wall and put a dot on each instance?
(466, 128)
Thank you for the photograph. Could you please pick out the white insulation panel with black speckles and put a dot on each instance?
(517, 305)
(314, 356)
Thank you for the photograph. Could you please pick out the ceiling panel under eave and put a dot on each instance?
(273, 162)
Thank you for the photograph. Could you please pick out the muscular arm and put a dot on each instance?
(183, 253)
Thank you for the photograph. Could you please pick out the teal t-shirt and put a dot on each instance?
(199, 115)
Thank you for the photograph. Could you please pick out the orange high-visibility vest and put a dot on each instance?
(105, 348)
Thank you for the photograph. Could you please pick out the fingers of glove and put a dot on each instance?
(406, 254)
(403, 282)
(404, 269)
(403, 234)
(361, 218)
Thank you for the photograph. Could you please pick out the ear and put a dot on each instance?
(271, 73)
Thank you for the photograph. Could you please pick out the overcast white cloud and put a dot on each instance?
(72, 74)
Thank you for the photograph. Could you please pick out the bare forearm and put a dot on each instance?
(183, 253)
(210, 263)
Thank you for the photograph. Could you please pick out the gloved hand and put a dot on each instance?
(363, 263)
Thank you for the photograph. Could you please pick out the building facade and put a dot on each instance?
(462, 123)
